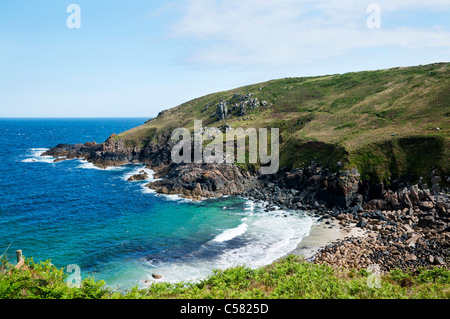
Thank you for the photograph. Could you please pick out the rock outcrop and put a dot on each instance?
(202, 180)
(222, 111)
(310, 187)
(113, 152)
(139, 177)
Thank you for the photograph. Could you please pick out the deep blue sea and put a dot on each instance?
(74, 213)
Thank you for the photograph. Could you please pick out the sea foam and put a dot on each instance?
(270, 236)
(88, 165)
(35, 156)
(137, 170)
(229, 234)
(264, 237)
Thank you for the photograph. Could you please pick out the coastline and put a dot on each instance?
(408, 226)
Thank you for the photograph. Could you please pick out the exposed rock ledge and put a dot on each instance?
(113, 152)
(197, 181)
(307, 188)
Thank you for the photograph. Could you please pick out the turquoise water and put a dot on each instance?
(74, 213)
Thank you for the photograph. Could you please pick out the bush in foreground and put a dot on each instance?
(289, 278)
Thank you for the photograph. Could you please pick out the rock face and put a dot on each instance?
(238, 105)
(73, 151)
(113, 152)
(316, 183)
(308, 188)
(407, 197)
(202, 180)
(222, 111)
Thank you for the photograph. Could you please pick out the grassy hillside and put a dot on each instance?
(388, 123)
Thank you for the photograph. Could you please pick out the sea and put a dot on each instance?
(73, 213)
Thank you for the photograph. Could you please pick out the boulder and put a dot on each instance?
(139, 177)
(410, 257)
(412, 241)
(362, 223)
(426, 205)
(439, 261)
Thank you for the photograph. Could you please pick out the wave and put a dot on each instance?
(35, 156)
(88, 165)
(174, 197)
(250, 205)
(271, 236)
(263, 238)
(137, 170)
(147, 190)
(229, 234)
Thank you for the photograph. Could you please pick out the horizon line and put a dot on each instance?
(75, 117)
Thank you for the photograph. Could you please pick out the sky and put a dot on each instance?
(136, 58)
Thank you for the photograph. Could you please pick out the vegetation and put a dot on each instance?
(288, 278)
(406, 158)
(390, 124)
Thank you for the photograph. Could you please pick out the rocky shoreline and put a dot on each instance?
(407, 226)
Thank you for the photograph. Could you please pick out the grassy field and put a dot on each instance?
(289, 278)
(390, 124)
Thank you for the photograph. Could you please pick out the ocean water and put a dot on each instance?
(74, 213)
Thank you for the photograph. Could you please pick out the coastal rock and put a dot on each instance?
(362, 223)
(113, 152)
(331, 188)
(72, 151)
(426, 205)
(139, 177)
(203, 180)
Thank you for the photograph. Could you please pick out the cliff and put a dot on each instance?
(392, 126)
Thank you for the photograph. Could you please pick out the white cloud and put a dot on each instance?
(297, 31)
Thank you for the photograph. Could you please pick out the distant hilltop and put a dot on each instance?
(390, 124)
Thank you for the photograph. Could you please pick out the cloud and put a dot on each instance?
(286, 32)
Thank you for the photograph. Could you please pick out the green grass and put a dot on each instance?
(288, 278)
(300, 153)
(406, 158)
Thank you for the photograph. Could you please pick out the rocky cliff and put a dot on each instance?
(377, 139)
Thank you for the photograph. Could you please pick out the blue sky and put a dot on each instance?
(136, 58)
